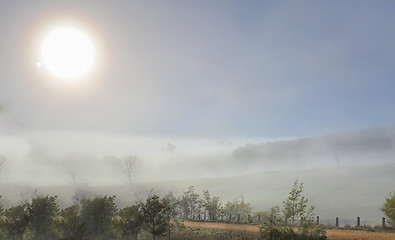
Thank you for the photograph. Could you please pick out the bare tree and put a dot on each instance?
(71, 165)
(2, 162)
(337, 150)
(170, 148)
(72, 174)
(336, 156)
(128, 165)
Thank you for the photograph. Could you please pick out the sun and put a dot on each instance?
(67, 52)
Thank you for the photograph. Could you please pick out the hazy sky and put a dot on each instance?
(184, 85)
(208, 68)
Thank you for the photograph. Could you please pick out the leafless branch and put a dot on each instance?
(128, 166)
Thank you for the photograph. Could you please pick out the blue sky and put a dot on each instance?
(211, 68)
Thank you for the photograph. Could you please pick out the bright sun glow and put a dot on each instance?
(67, 53)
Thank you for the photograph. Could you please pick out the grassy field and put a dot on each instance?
(332, 234)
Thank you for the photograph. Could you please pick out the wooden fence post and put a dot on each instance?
(204, 217)
(318, 219)
(337, 222)
(358, 221)
(383, 222)
(249, 217)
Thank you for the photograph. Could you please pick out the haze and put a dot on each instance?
(209, 93)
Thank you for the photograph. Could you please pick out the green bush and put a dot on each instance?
(97, 215)
(129, 221)
(15, 222)
(42, 212)
(70, 224)
(286, 232)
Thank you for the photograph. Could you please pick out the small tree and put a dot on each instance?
(97, 215)
(190, 202)
(2, 230)
(236, 209)
(2, 162)
(128, 165)
(42, 212)
(295, 205)
(16, 221)
(271, 216)
(211, 204)
(389, 208)
(129, 221)
(171, 202)
(72, 168)
(156, 215)
(70, 224)
(1, 208)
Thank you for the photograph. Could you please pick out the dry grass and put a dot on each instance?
(332, 234)
(351, 235)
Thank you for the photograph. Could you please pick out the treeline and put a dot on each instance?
(99, 218)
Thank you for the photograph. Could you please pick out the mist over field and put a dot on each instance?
(97, 159)
(338, 170)
(237, 97)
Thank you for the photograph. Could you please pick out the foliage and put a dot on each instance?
(156, 215)
(97, 215)
(129, 221)
(237, 208)
(16, 221)
(42, 212)
(2, 233)
(213, 234)
(70, 223)
(172, 202)
(295, 205)
(286, 232)
(1, 208)
(99, 219)
(190, 203)
(212, 205)
(389, 208)
(278, 232)
(311, 231)
(271, 216)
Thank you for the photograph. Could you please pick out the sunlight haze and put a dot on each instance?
(237, 97)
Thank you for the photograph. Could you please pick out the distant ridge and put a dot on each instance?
(364, 146)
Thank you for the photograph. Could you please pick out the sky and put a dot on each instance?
(211, 69)
(208, 92)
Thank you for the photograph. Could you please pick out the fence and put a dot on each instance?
(258, 220)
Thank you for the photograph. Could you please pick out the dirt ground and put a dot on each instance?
(332, 234)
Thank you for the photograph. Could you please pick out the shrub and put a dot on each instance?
(286, 232)
(15, 222)
(97, 215)
(42, 212)
(70, 224)
(156, 215)
(129, 221)
(389, 208)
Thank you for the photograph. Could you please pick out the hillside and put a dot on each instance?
(350, 148)
(345, 193)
